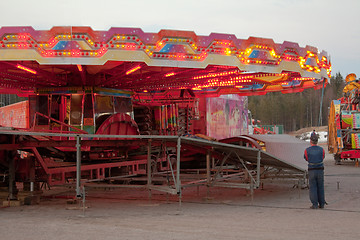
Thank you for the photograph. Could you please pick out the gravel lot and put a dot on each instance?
(279, 211)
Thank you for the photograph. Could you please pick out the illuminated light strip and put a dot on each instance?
(249, 50)
(26, 69)
(223, 47)
(250, 61)
(79, 67)
(10, 40)
(186, 41)
(222, 43)
(169, 74)
(290, 58)
(304, 79)
(309, 54)
(216, 74)
(272, 52)
(133, 70)
(238, 79)
(261, 47)
(235, 81)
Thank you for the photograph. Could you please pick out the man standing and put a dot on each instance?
(315, 156)
(313, 133)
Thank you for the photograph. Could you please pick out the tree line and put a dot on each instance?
(7, 99)
(296, 110)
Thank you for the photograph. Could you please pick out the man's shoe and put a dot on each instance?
(321, 206)
(313, 207)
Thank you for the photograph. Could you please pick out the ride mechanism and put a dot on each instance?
(120, 101)
(344, 123)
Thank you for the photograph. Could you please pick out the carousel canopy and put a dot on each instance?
(163, 63)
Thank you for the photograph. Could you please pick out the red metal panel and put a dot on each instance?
(351, 154)
(118, 124)
(15, 115)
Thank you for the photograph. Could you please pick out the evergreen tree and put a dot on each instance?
(296, 110)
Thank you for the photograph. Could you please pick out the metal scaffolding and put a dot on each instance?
(227, 165)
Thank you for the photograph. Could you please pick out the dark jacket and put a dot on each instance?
(314, 155)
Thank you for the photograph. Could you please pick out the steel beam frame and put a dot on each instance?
(248, 177)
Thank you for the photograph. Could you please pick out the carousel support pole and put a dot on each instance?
(178, 183)
(149, 180)
(12, 184)
(255, 183)
(208, 173)
(32, 175)
(252, 190)
(78, 167)
(83, 200)
(258, 169)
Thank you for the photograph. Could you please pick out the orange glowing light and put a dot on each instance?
(133, 70)
(169, 74)
(26, 69)
(79, 67)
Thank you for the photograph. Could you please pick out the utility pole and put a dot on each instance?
(321, 103)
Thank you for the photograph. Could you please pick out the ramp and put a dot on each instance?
(273, 156)
(286, 148)
(256, 165)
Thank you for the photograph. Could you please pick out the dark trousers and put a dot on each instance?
(316, 188)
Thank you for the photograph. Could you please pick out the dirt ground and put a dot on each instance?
(309, 129)
(278, 211)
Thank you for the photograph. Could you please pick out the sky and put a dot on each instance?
(330, 25)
